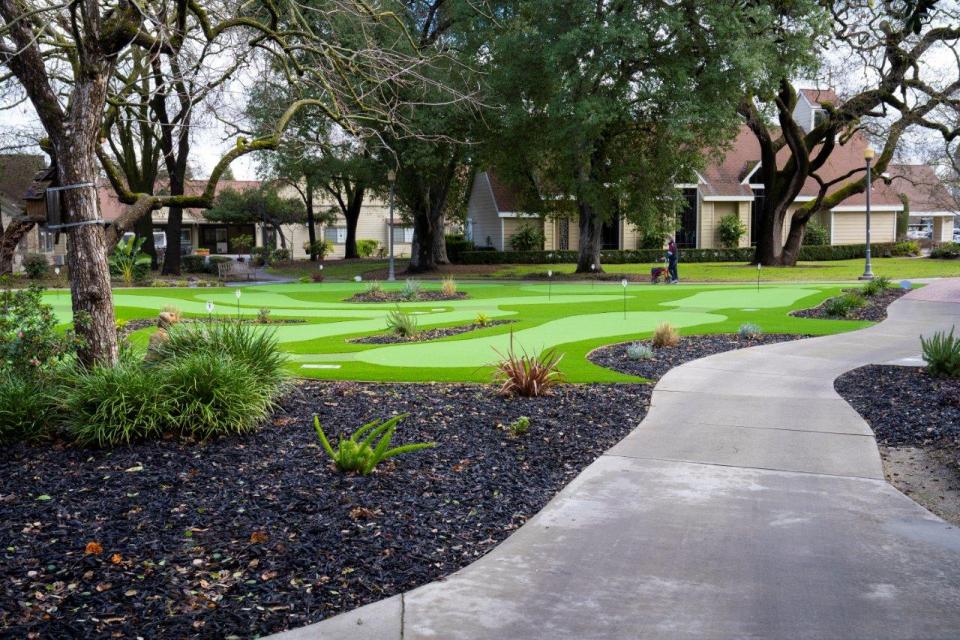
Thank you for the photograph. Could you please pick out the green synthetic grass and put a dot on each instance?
(826, 271)
(574, 318)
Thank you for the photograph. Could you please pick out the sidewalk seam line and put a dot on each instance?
(740, 466)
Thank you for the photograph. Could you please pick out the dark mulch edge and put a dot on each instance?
(397, 296)
(904, 405)
(256, 534)
(874, 311)
(690, 348)
(142, 323)
(430, 334)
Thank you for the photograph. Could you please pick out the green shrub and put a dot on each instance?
(750, 331)
(876, 286)
(942, 354)
(128, 261)
(946, 251)
(456, 245)
(841, 306)
(816, 235)
(280, 255)
(366, 248)
(36, 265)
(730, 230)
(527, 238)
(639, 351)
(109, 406)
(362, 456)
(402, 323)
(250, 347)
(321, 248)
(214, 394)
(519, 426)
(904, 249)
(26, 407)
(740, 254)
(411, 289)
(29, 339)
(193, 264)
(482, 319)
(243, 243)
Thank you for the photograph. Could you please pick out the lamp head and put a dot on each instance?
(391, 175)
(869, 153)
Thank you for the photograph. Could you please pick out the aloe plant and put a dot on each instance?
(362, 455)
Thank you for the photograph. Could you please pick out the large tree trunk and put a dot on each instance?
(311, 223)
(591, 238)
(11, 237)
(171, 263)
(769, 251)
(76, 155)
(144, 229)
(429, 249)
(791, 249)
(352, 215)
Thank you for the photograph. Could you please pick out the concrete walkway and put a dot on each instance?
(750, 503)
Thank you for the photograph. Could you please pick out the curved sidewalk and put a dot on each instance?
(749, 503)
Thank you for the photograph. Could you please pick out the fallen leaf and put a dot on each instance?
(116, 558)
(44, 498)
(93, 548)
(258, 537)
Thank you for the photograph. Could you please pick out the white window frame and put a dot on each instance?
(339, 235)
(405, 234)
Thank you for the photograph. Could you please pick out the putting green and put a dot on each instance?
(572, 318)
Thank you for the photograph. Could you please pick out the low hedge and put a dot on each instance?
(947, 250)
(743, 254)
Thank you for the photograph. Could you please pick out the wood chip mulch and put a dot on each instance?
(245, 536)
(689, 348)
(429, 334)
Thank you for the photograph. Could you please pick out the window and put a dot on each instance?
(47, 240)
(402, 235)
(686, 235)
(819, 116)
(336, 235)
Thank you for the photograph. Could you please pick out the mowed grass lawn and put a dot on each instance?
(827, 271)
(572, 318)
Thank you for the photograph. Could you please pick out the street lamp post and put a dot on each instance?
(868, 154)
(392, 177)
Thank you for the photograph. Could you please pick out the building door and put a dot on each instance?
(756, 210)
(686, 236)
(610, 234)
(563, 234)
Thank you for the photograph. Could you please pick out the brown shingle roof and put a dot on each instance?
(818, 96)
(923, 188)
(504, 196)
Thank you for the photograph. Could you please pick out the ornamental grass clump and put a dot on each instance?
(411, 289)
(876, 286)
(359, 454)
(448, 287)
(250, 347)
(116, 405)
(402, 324)
(482, 320)
(750, 331)
(639, 351)
(214, 394)
(25, 407)
(941, 352)
(665, 335)
(375, 291)
(526, 375)
(842, 306)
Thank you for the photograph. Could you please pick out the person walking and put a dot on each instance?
(673, 255)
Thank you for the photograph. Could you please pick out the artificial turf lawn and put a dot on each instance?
(574, 318)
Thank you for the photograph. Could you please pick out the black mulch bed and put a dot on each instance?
(430, 334)
(142, 323)
(690, 348)
(251, 535)
(397, 296)
(904, 405)
(874, 311)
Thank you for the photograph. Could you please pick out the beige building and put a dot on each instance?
(219, 238)
(733, 185)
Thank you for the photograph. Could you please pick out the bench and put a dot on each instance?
(232, 271)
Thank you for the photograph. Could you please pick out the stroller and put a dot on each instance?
(659, 274)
